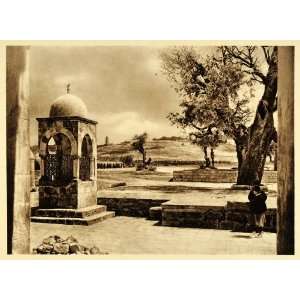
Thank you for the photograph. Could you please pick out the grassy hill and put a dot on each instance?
(161, 150)
(165, 150)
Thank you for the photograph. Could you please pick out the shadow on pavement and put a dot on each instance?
(242, 236)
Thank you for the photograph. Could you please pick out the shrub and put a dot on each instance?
(127, 160)
(139, 167)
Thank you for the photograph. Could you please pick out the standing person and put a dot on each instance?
(258, 208)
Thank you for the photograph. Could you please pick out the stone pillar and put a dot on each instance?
(285, 225)
(76, 167)
(32, 171)
(92, 167)
(42, 167)
(18, 151)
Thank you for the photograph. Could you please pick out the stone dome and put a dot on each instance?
(68, 105)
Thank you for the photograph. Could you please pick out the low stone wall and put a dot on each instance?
(200, 216)
(217, 175)
(238, 218)
(132, 207)
(109, 165)
(234, 216)
(175, 162)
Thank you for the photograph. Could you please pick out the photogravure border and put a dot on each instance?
(3, 206)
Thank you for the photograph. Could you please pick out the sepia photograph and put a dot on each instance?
(150, 149)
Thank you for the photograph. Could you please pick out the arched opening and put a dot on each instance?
(58, 162)
(85, 169)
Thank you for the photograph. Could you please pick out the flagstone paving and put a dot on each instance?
(138, 236)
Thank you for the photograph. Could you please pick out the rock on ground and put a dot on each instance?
(54, 244)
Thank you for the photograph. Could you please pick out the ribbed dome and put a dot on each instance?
(68, 106)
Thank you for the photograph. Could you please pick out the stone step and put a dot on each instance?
(69, 213)
(89, 220)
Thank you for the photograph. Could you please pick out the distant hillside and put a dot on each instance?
(161, 149)
(164, 149)
(170, 138)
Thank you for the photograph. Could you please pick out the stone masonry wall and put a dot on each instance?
(130, 206)
(87, 193)
(234, 216)
(217, 175)
(58, 196)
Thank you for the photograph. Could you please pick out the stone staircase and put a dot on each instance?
(82, 216)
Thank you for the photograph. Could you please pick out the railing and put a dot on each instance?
(58, 167)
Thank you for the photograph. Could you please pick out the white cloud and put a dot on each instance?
(123, 126)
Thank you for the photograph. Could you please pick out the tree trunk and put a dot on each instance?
(144, 158)
(253, 166)
(275, 159)
(206, 158)
(239, 153)
(262, 130)
(241, 140)
(212, 156)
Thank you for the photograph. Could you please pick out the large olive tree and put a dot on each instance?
(214, 93)
(262, 131)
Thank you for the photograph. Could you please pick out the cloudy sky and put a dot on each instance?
(122, 87)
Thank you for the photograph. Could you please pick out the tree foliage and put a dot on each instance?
(214, 95)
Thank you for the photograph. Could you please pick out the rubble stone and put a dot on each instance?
(57, 245)
(61, 248)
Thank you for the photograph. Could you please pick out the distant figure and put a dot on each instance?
(106, 140)
(258, 208)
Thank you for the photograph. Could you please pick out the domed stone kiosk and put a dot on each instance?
(68, 152)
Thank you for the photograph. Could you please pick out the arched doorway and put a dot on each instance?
(58, 162)
(85, 169)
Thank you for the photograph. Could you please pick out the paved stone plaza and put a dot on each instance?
(129, 235)
(137, 235)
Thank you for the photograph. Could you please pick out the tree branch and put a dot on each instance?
(266, 54)
(246, 58)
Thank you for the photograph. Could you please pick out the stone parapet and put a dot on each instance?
(217, 175)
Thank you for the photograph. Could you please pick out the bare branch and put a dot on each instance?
(267, 54)
(245, 57)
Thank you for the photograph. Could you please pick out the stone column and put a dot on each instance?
(285, 215)
(32, 172)
(18, 151)
(42, 167)
(92, 167)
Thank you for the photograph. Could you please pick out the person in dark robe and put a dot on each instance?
(258, 208)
